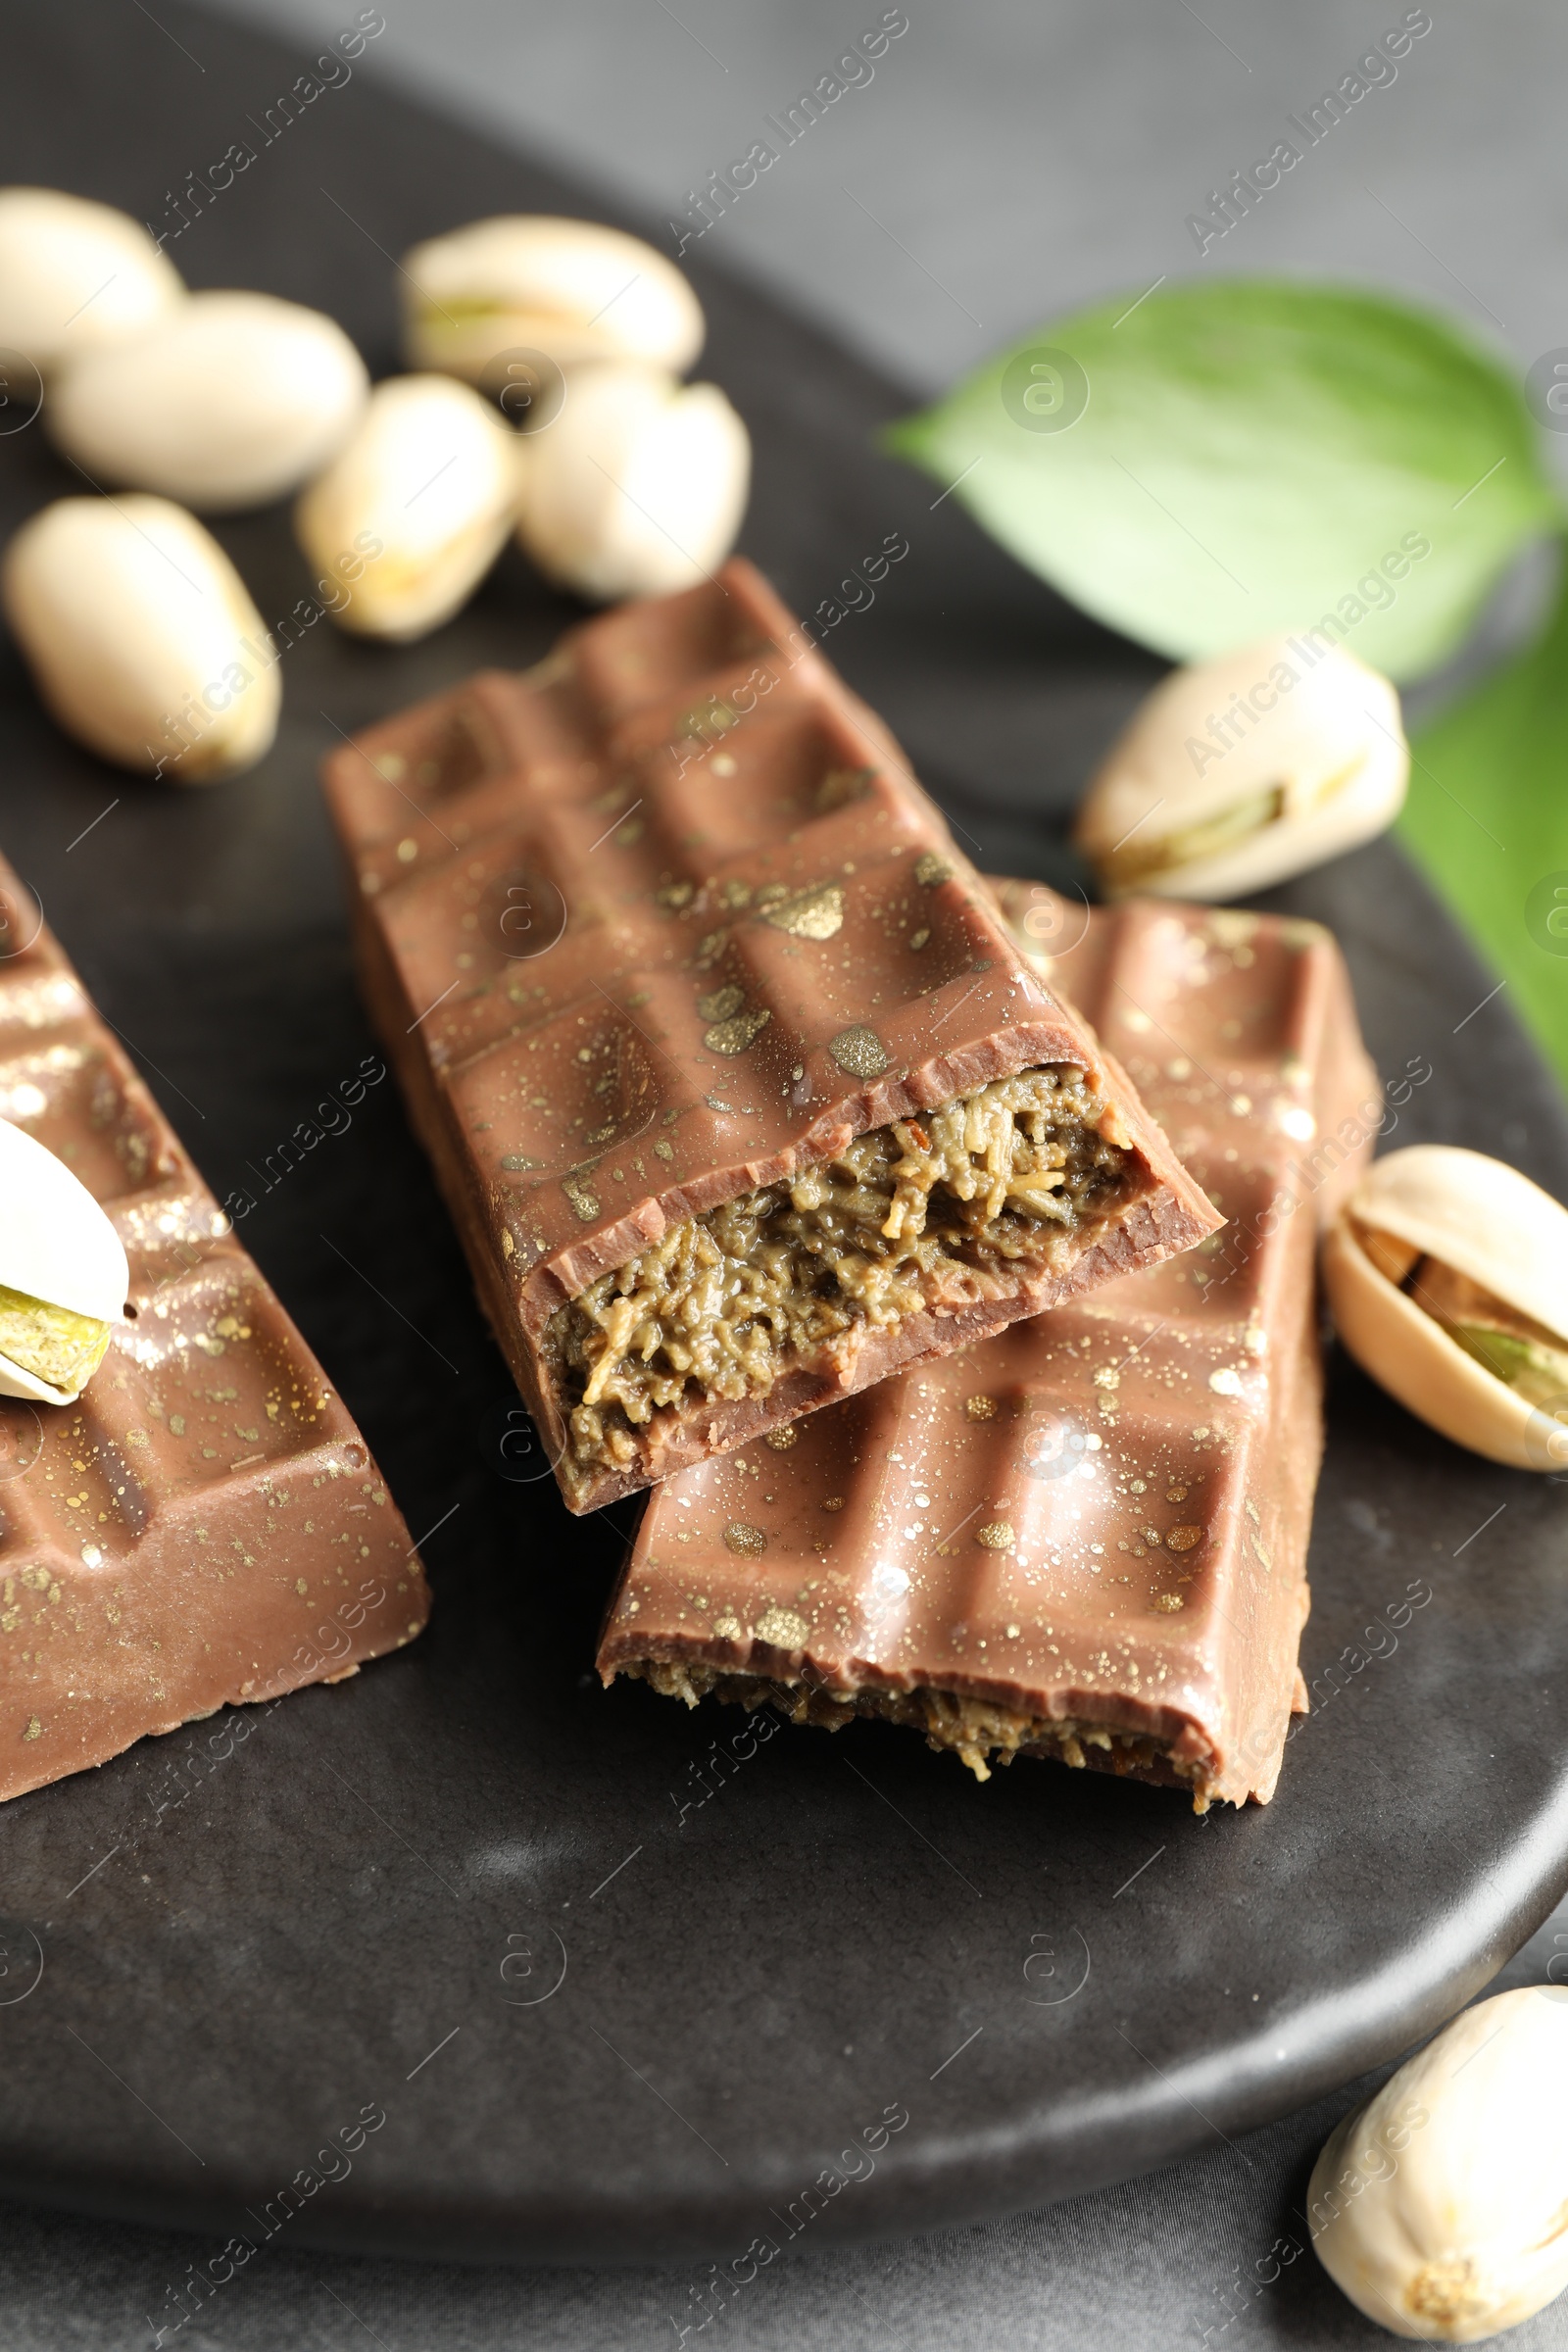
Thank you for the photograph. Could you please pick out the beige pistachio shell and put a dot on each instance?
(1480, 1215)
(58, 1250)
(1440, 2208)
(412, 516)
(1488, 1222)
(231, 401)
(569, 289)
(76, 277)
(141, 638)
(1238, 772)
(639, 486)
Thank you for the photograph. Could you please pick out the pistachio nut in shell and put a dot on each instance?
(76, 276)
(409, 518)
(1448, 1275)
(62, 1274)
(569, 289)
(229, 400)
(1440, 2208)
(141, 638)
(1238, 772)
(639, 486)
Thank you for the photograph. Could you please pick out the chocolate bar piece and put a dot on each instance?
(740, 1093)
(204, 1525)
(1085, 1538)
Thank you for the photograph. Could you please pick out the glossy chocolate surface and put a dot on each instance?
(668, 919)
(1099, 1516)
(204, 1525)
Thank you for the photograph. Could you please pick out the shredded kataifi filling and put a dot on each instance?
(939, 1212)
(977, 1731)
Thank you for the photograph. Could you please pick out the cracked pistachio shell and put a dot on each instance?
(637, 488)
(567, 288)
(409, 518)
(76, 277)
(229, 400)
(1238, 772)
(141, 638)
(1488, 1222)
(1440, 2208)
(56, 1247)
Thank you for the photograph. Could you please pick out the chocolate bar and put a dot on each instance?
(1085, 1538)
(740, 1091)
(205, 1526)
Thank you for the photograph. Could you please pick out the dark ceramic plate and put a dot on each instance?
(462, 1894)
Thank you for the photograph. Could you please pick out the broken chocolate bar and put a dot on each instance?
(740, 1093)
(1085, 1538)
(204, 1525)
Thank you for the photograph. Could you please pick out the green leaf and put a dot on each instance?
(1488, 818)
(1251, 451)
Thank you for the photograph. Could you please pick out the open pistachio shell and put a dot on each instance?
(569, 289)
(62, 1274)
(1238, 772)
(1498, 1232)
(228, 401)
(406, 523)
(1441, 2207)
(142, 637)
(76, 277)
(639, 486)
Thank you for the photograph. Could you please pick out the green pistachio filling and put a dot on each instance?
(1534, 1371)
(54, 1344)
(1136, 860)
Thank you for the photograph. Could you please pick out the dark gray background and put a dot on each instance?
(1015, 160)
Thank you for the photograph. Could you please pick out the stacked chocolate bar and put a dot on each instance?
(1085, 1538)
(204, 1525)
(749, 1100)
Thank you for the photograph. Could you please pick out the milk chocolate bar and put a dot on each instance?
(204, 1525)
(740, 1091)
(1085, 1538)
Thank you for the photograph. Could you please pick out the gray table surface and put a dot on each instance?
(1005, 162)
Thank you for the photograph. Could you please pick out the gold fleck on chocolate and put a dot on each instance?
(834, 1502)
(783, 1627)
(1169, 1600)
(810, 914)
(735, 894)
(664, 1150)
(519, 1160)
(720, 1002)
(859, 1052)
(930, 870)
(747, 1541)
(735, 1035)
(842, 785)
(980, 1409)
(918, 939)
(1182, 1538)
(583, 1201)
(673, 894)
(781, 1440)
(630, 833)
(996, 1535)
